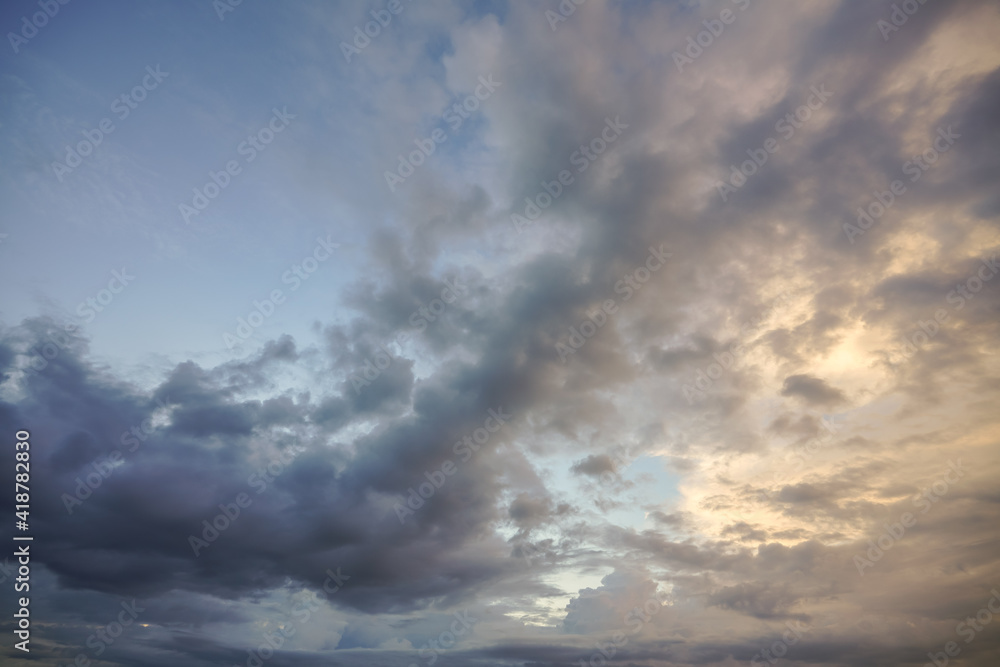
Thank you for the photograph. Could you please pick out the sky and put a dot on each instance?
(500, 333)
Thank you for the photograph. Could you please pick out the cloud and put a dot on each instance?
(813, 390)
(757, 504)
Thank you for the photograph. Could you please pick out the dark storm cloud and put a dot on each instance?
(178, 476)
